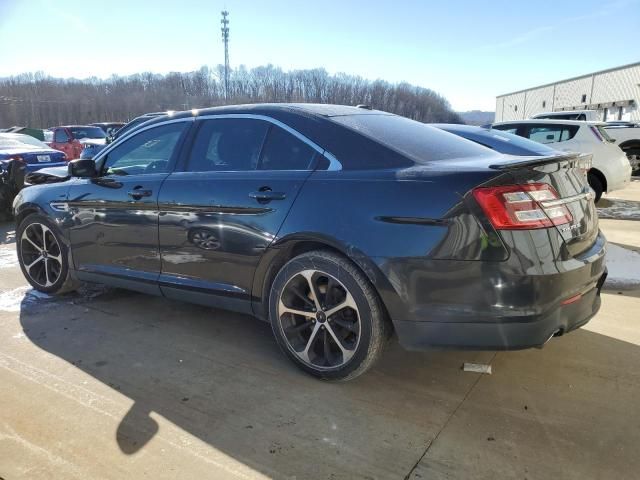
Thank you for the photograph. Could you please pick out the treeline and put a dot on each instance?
(40, 101)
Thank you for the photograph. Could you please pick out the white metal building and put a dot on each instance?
(615, 93)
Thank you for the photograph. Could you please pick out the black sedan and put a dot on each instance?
(339, 225)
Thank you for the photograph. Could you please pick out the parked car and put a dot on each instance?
(502, 142)
(20, 154)
(628, 139)
(336, 224)
(585, 115)
(73, 138)
(31, 151)
(91, 151)
(611, 169)
(109, 128)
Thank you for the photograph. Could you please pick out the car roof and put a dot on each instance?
(565, 112)
(550, 122)
(75, 126)
(314, 109)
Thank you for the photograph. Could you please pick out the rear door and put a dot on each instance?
(219, 214)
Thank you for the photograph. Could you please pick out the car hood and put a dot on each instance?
(48, 175)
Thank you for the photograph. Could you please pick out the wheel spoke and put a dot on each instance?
(348, 302)
(30, 266)
(352, 327)
(282, 308)
(308, 275)
(305, 353)
(46, 273)
(24, 237)
(326, 347)
(297, 328)
(44, 237)
(346, 353)
(296, 291)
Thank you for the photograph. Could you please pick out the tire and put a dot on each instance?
(596, 184)
(634, 154)
(46, 272)
(345, 343)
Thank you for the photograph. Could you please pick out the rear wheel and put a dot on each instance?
(326, 316)
(43, 255)
(596, 184)
(633, 154)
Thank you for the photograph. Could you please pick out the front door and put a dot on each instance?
(221, 212)
(115, 231)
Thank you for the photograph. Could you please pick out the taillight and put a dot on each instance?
(596, 132)
(17, 158)
(519, 207)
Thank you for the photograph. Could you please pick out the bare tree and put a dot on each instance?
(40, 101)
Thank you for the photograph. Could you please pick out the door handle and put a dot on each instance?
(267, 195)
(138, 192)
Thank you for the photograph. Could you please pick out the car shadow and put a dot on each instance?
(220, 377)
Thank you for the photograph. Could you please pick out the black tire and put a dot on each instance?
(368, 317)
(634, 152)
(596, 184)
(55, 262)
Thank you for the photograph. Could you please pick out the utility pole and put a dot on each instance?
(225, 38)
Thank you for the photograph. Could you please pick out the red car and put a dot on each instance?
(71, 139)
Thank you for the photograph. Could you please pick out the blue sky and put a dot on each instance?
(468, 51)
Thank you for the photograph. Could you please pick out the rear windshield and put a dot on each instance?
(604, 133)
(87, 132)
(417, 141)
(496, 137)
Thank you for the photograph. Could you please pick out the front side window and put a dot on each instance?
(227, 144)
(150, 151)
(283, 151)
(60, 136)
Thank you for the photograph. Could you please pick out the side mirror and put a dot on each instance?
(82, 168)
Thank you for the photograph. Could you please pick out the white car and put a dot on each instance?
(588, 115)
(610, 169)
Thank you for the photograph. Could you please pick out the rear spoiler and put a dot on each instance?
(513, 163)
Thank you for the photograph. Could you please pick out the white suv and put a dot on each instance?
(588, 115)
(610, 167)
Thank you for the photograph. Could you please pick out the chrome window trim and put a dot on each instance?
(588, 195)
(334, 163)
(106, 150)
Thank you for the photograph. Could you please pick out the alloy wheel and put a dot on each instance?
(319, 319)
(41, 254)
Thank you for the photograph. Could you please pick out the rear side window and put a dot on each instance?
(552, 133)
(414, 140)
(283, 151)
(506, 128)
(60, 136)
(227, 144)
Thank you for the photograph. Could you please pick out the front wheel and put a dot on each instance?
(326, 316)
(43, 255)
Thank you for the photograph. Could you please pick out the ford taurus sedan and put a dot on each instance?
(338, 225)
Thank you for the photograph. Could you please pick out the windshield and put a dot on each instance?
(417, 141)
(87, 132)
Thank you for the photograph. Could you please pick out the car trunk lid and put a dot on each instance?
(567, 175)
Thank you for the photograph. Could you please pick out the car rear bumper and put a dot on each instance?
(508, 305)
(531, 331)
